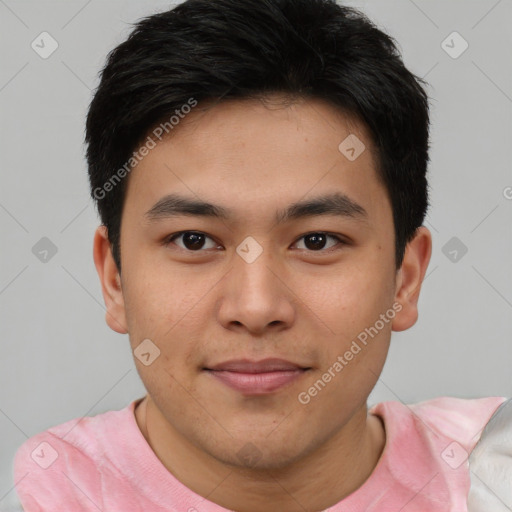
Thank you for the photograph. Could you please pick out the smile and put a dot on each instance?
(257, 383)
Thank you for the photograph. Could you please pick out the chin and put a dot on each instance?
(259, 455)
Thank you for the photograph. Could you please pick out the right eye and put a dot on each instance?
(193, 241)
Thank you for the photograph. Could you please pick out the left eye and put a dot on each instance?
(194, 240)
(318, 239)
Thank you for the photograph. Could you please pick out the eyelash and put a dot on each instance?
(168, 240)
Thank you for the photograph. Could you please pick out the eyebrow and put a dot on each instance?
(337, 204)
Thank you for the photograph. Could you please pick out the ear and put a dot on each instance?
(110, 281)
(410, 278)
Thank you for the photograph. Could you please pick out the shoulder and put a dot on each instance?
(48, 469)
(460, 419)
(463, 441)
(491, 464)
(444, 419)
(65, 461)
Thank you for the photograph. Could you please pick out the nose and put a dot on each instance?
(256, 296)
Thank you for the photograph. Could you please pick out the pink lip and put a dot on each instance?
(256, 377)
(263, 366)
(257, 383)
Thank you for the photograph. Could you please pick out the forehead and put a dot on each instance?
(243, 152)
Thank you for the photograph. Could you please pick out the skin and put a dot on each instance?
(292, 302)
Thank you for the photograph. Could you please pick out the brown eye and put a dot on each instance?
(191, 240)
(317, 241)
(196, 241)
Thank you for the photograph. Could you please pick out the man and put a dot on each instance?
(259, 168)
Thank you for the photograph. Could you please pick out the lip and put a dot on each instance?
(257, 377)
(263, 366)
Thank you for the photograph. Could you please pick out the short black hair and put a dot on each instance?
(203, 50)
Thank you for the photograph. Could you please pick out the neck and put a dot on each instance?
(317, 481)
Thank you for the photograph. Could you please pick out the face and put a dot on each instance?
(257, 283)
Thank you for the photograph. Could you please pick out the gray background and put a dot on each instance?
(60, 361)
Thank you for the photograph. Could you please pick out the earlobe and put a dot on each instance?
(110, 282)
(410, 278)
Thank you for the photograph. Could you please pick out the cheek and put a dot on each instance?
(353, 363)
(157, 299)
(348, 301)
(170, 313)
(350, 306)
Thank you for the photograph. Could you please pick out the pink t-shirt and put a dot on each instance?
(104, 463)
